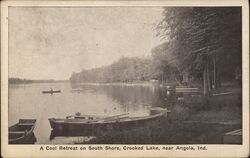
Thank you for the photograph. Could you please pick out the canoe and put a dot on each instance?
(53, 91)
(93, 125)
(22, 132)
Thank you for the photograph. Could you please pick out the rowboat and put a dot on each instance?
(52, 91)
(92, 125)
(22, 132)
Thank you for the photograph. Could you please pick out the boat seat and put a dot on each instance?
(16, 132)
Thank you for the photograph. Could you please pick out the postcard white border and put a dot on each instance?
(34, 150)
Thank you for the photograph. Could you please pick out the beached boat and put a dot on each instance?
(91, 125)
(22, 132)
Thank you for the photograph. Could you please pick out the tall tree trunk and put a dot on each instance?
(215, 79)
(205, 79)
(218, 77)
(209, 79)
(205, 86)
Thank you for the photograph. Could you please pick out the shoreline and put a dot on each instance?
(118, 84)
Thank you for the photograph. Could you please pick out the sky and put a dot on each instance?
(51, 43)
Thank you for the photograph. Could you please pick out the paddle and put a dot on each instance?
(108, 118)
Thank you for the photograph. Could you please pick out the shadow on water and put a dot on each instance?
(30, 139)
(55, 134)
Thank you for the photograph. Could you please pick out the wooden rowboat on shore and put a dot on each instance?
(22, 132)
(92, 125)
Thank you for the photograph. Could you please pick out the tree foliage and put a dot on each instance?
(124, 70)
(195, 34)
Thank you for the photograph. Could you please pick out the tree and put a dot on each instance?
(202, 40)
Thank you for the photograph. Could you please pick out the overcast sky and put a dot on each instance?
(51, 43)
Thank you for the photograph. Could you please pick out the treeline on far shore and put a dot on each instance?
(28, 81)
(126, 69)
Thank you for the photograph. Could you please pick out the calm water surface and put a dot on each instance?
(27, 101)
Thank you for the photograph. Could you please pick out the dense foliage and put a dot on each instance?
(196, 33)
(203, 42)
(124, 70)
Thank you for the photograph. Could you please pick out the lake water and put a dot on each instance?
(27, 101)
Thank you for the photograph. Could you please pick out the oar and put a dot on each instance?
(116, 116)
(106, 118)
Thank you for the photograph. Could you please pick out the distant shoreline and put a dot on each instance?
(146, 83)
(29, 81)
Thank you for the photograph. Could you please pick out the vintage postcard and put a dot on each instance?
(125, 78)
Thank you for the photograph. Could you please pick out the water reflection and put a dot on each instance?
(55, 134)
(129, 95)
(68, 139)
